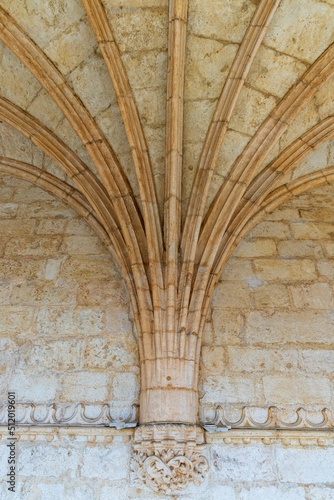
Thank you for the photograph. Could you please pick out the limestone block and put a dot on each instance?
(45, 209)
(329, 248)
(83, 245)
(15, 320)
(238, 269)
(224, 390)
(52, 269)
(326, 269)
(118, 321)
(227, 326)
(314, 361)
(312, 230)
(51, 226)
(146, 69)
(305, 466)
(271, 229)
(234, 144)
(143, 29)
(231, 294)
(272, 269)
(283, 213)
(86, 387)
(251, 109)
(313, 296)
(242, 463)
(296, 29)
(31, 193)
(47, 20)
(17, 226)
(207, 67)
(110, 121)
(297, 390)
(273, 492)
(17, 82)
(16, 270)
(34, 246)
(8, 210)
(297, 248)
(47, 461)
(273, 72)
(289, 326)
(78, 227)
(47, 111)
(6, 194)
(228, 24)
(213, 359)
(102, 293)
(78, 321)
(33, 388)
(59, 355)
(225, 492)
(125, 387)
(5, 289)
(321, 493)
(72, 47)
(84, 269)
(195, 129)
(106, 463)
(271, 295)
(256, 248)
(112, 354)
(250, 360)
(43, 292)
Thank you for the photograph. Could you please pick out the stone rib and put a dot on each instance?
(136, 139)
(214, 139)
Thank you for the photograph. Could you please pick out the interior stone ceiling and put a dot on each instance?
(299, 32)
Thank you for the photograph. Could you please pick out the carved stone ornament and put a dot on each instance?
(168, 457)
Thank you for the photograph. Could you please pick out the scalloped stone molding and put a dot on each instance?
(213, 420)
(72, 415)
(275, 418)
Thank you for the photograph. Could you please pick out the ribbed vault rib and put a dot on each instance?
(103, 156)
(251, 210)
(84, 125)
(137, 142)
(71, 164)
(245, 168)
(173, 176)
(248, 163)
(277, 170)
(79, 203)
(213, 142)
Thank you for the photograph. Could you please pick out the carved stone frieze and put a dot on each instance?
(168, 457)
(272, 418)
(72, 415)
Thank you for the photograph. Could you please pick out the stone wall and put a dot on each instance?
(270, 339)
(66, 336)
(65, 332)
(74, 469)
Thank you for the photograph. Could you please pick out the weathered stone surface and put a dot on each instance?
(241, 463)
(305, 466)
(299, 390)
(104, 463)
(85, 386)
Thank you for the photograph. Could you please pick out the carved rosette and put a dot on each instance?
(168, 457)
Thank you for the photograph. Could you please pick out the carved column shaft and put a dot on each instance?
(169, 391)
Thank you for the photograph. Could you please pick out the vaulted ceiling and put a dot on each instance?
(299, 32)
